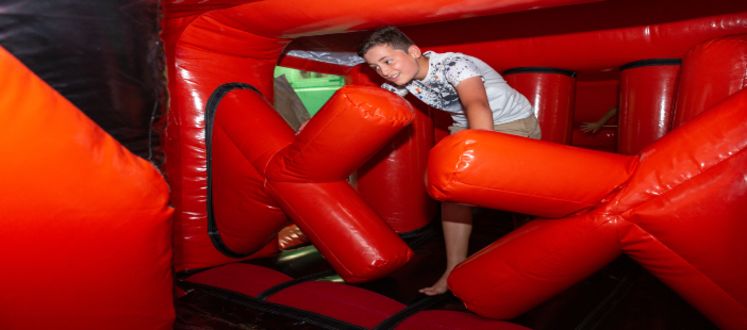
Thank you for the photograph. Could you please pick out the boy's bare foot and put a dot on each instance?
(440, 287)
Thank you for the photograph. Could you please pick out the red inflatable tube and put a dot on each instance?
(647, 90)
(86, 224)
(349, 234)
(306, 175)
(346, 132)
(244, 216)
(517, 174)
(533, 263)
(711, 71)
(551, 93)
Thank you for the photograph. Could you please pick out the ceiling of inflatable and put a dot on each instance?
(581, 35)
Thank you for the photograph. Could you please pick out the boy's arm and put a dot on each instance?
(593, 127)
(474, 99)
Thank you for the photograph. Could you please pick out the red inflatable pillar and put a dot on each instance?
(711, 71)
(392, 181)
(86, 232)
(647, 90)
(551, 91)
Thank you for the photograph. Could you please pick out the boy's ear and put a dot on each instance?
(414, 51)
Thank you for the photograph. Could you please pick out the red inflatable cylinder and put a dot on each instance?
(512, 173)
(350, 235)
(391, 182)
(533, 263)
(242, 216)
(86, 232)
(711, 71)
(647, 90)
(551, 93)
(326, 150)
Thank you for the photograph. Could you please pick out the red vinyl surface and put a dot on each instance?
(711, 71)
(679, 214)
(85, 241)
(551, 95)
(646, 105)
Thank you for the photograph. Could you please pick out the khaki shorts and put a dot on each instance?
(527, 127)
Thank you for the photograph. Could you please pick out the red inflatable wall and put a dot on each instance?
(86, 224)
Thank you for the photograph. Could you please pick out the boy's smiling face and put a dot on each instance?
(395, 65)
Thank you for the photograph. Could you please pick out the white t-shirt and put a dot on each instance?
(447, 70)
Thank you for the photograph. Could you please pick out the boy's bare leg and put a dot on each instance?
(456, 220)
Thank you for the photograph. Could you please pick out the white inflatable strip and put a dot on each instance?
(339, 58)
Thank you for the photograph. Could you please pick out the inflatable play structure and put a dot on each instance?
(144, 161)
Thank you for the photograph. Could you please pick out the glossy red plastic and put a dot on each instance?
(680, 215)
(85, 241)
(518, 174)
(305, 174)
(711, 72)
(646, 105)
(392, 181)
(552, 96)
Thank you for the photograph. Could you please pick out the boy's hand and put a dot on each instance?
(591, 128)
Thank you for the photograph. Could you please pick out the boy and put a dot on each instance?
(474, 94)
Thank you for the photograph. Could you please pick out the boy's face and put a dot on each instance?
(395, 65)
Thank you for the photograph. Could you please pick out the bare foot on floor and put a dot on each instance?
(440, 287)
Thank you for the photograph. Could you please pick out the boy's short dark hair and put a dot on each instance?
(389, 35)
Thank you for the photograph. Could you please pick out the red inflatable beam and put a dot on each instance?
(522, 175)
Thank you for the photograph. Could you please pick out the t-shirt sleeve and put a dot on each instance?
(458, 68)
(396, 90)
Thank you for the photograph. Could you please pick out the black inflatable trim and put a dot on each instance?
(539, 69)
(651, 62)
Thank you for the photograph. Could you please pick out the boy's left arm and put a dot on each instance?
(474, 99)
